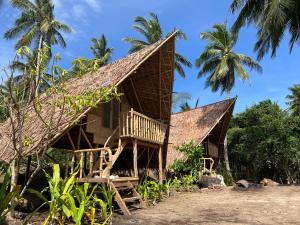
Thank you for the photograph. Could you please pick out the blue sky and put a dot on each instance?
(91, 18)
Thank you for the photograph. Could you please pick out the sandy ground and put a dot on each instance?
(268, 205)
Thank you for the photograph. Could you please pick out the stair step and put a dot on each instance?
(131, 199)
(124, 188)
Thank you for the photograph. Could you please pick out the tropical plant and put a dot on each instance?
(188, 181)
(221, 62)
(152, 32)
(105, 204)
(264, 142)
(151, 191)
(192, 162)
(294, 100)
(37, 24)
(101, 51)
(186, 106)
(272, 18)
(72, 201)
(179, 98)
(7, 195)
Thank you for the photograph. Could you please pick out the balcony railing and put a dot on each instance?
(139, 126)
(90, 163)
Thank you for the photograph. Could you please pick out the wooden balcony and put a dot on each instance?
(138, 126)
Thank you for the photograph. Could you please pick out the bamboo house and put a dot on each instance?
(118, 141)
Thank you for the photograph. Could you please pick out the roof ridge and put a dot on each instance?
(204, 106)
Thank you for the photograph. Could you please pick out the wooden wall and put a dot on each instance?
(95, 119)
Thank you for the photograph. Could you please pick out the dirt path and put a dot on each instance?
(268, 205)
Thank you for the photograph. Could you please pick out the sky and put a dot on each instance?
(114, 18)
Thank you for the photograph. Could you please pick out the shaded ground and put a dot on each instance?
(268, 205)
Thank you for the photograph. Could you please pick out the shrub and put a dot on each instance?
(192, 163)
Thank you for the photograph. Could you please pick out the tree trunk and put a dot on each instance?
(225, 152)
(38, 66)
(15, 165)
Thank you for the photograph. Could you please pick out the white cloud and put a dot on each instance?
(94, 4)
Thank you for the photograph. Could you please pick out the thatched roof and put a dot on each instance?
(197, 124)
(111, 75)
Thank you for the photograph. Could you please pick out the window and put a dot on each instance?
(111, 112)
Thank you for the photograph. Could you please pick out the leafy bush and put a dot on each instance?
(192, 163)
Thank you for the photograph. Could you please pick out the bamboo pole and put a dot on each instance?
(135, 162)
(160, 164)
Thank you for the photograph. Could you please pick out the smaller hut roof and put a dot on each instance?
(196, 125)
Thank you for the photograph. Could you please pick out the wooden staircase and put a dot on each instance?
(127, 186)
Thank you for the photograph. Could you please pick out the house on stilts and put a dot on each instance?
(115, 142)
(206, 125)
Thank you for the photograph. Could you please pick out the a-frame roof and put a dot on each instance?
(111, 75)
(196, 124)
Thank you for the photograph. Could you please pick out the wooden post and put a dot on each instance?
(27, 169)
(135, 163)
(160, 164)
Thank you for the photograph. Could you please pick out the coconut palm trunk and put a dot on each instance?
(225, 151)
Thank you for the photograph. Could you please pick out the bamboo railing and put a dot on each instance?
(139, 126)
(91, 162)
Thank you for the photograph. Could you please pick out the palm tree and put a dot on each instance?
(273, 19)
(186, 106)
(223, 64)
(152, 32)
(294, 100)
(37, 24)
(101, 51)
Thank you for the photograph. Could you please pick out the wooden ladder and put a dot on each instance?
(127, 186)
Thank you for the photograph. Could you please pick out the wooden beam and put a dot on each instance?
(71, 141)
(79, 137)
(136, 95)
(159, 75)
(86, 138)
(135, 159)
(160, 164)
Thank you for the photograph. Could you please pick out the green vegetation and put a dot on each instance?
(192, 162)
(101, 51)
(294, 100)
(37, 25)
(264, 141)
(7, 194)
(72, 201)
(272, 19)
(221, 62)
(152, 32)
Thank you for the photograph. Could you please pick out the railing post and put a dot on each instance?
(101, 164)
(131, 122)
(81, 164)
(91, 164)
